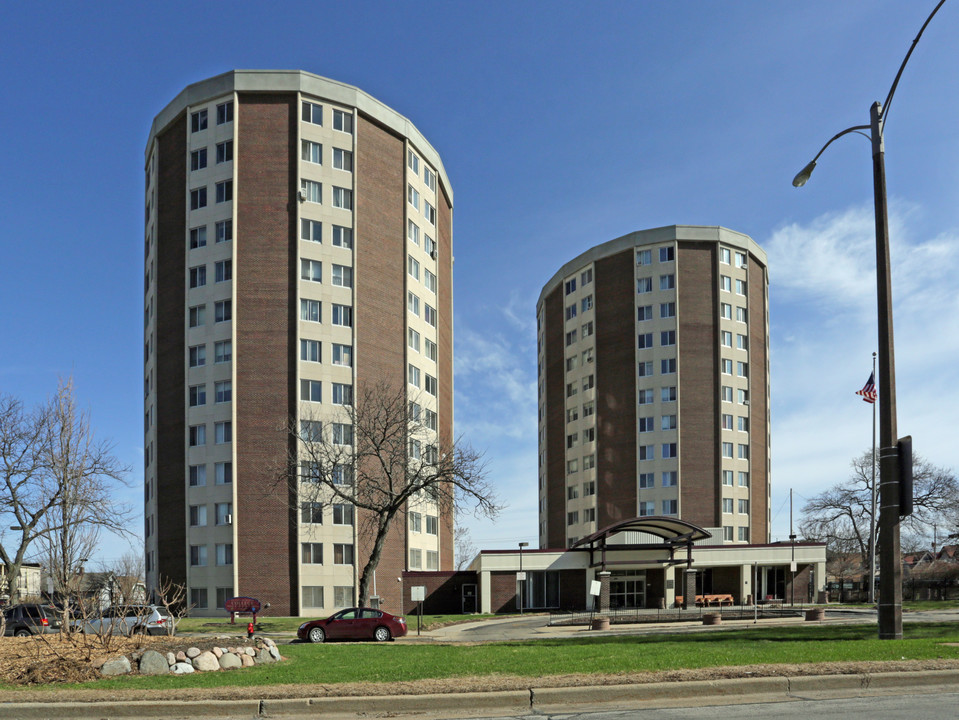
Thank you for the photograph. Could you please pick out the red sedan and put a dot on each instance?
(354, 624)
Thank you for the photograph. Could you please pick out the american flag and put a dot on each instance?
(868, 391)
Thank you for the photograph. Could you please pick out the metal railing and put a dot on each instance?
(622, 616)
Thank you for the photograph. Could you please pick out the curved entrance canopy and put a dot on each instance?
(672, 531)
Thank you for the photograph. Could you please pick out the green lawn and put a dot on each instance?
(392, 662)
(269, 624)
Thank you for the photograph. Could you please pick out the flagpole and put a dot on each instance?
(872, 493)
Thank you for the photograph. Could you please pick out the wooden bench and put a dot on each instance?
(709, 600)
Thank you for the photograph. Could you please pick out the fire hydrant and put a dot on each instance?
(249, 630)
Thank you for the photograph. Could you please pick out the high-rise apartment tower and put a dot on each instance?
(298, 243)
(653, 361)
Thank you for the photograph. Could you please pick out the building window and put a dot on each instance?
(198, 121)
(412, 161)
(571, 389)
(224, 191)
(429, 178)
(430, 212)
(430, 349)
(667, 282)
(740, 287)
(743, 423)
(413, 196)
(742, 369)
(571, 440)
(312, 152)
(198, 356)
(571, 311)
(645, 396)
(198, 159)
(432, 525)
(416, 522)
(744, 534)
(223, 271)
(589, 488)
(667, 366)
(666, 254)
(197, 435)
(413, 232)
(311, 430)
(198, 276)
(727, 393)
(197, 515)
(429, 314)
(223, 311)
(197, 316)
(197, 475)
(342, 276)
(667, 394)
(224, 113)
(644, 285)
(432, 419)
(342, 394)
(413, 267)
(667, 310)
(742, 396)
(727, 421)
(728, 506)
(343, 315)
(223, 432)
(342, 434)
(670, 478)
(743, 478)
(430, 385)
(312, 113)
(670, 507)
(342, 514)
(644, 312)
(342, 553)
(570, 338)
(644, 257)
(224, 152)
(586, 303)
(224, 231)
(726, 311)
(727, 450)
(224, 554)
(312, 191)
(740, 259)
(668, 422)
(743, 507)
(413, 376)
(342, 198)
(416, 559)
(310, 310)
(312, 596)
(647, 508)
(646, 368)
(343, 121)
(311, 351)
(572, 518)
(223, 472)
(645, 340)
(647, 452)
(198, 237)
(312, 553)
(586, 277)
(343, 355)
(343, 237)
(724, 256)
(589, 462)
(726, 366)
(197, 395)
(413, 303)
(726, 338)
(725, 283)
(669, 450)
(742, 342)
(667, 338)
(741, 314)
(743, 451)
(646, 424)
(198, 556)
(413, 339)
(728, 478)
(198, 596)
(311, 391)
(727, 533)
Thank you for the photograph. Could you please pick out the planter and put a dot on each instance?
(600, 624)
(712, 619)
(816, 614)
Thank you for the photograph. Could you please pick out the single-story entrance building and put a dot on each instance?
(645, 562)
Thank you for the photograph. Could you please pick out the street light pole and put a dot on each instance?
(522, 578)
(890, 557)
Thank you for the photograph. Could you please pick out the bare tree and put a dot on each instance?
(57, 485)
(463, 547)
(381, 454)
(843, 512)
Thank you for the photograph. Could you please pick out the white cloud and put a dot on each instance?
(823, 333)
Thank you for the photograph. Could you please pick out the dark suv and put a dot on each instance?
(23, 620)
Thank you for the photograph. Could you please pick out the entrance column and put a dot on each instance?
(604, 591)
(669, 586)
(486, 603)
(745, 575)
(689, 591)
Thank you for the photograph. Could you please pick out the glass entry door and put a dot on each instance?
(627, 592)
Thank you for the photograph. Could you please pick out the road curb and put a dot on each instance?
(131, 709)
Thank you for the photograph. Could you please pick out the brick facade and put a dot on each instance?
(555, 423)
(759, 407)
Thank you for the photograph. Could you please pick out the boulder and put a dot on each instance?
(264, 657)
(218, 652)
(247, 660)
(192, 652)
(181, 656)
(181, 668)
(171, 658)
(274, 652)
(229, 661)
(153, 663)
(116, 666)
(206, 662)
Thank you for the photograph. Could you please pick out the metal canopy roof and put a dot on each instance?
(672, 530)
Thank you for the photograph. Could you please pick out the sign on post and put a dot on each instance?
(237, 605)
(418, 593)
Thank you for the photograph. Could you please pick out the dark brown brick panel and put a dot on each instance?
(555, 420)
(444, 592)
(699, 394)
(264, 350)
(758, 407)
(170, 351)
(444, 268)
(615, 388)
(380, 270)
(503, 592)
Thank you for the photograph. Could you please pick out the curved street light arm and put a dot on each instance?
(892, 91)
(803, 175)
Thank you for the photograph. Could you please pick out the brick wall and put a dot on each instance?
(264, 352)
(444, 263)
(616, 484)
(697, 312)
(555, 383)
(444, 591)
(758, 406)
(380, 318)
(503, 592)
(170, 354)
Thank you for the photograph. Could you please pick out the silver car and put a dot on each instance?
(129, 620)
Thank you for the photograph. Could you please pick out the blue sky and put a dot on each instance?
(561, 125)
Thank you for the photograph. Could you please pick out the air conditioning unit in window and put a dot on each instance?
(228, 520)
(433, 254)
(301, 196)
